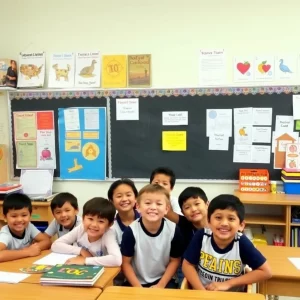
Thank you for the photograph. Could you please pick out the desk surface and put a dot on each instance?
(268, 198)
(15, 266)
(25, 291)
(129, 293)
(280, 265)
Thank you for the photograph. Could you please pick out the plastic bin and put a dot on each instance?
(291, 187)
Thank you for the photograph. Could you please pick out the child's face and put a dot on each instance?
(95, 227)
(224, 224)
(65, 215)
(124, 198)
(163, 180)
(18, 220)
(153, 207)
(195, 209)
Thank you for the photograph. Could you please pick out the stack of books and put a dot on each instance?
(72, 275)
(9, 188)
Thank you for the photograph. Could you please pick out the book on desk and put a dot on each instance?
(72, 275)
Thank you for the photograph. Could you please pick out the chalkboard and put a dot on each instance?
(42, 101)
(137, 145)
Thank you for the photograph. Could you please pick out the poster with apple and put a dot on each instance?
(264, 68)
(243, 69)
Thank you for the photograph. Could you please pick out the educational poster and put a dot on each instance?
(82, 143)
(61, 70)
(139, 70)
(31, 69)
(243, 69)
(88, 69)
(8, 73)
(286, 67)
(174, 140)
(264, 68)
(219, 121)
(114, 71)
(35, 139)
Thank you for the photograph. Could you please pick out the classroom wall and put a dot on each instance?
(172, 31)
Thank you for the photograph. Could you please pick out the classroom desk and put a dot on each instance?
(25, 291)
(129, 293)
(105, 280)
(285, 279)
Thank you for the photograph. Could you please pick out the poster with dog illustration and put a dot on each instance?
(61, 70)
(88, 69)
(31, 69)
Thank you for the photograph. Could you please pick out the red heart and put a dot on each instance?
(243, 67)
(266, 68)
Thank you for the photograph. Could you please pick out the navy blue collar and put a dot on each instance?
(120, 223)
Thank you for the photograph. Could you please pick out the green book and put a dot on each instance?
(72, 275)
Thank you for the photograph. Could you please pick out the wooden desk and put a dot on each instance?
(286, 202)
(285, 279)
(105, 280)
(41, 212)
(25, 291)
(129, 293)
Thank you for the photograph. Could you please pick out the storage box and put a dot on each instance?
(291, 187)
(254, 181)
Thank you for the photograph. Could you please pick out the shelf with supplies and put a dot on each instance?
(284, 220)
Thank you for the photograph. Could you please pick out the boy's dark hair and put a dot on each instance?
(191, 192)
(100, 207)
(166, 171)
(16, 201)
(227, 201)
(117, 183)
(60, 199)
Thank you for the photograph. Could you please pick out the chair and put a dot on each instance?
(186, 286)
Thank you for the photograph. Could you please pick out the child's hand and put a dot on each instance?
(218, 286)
(156, 286)
(79, 260)
(85, 253)
(34, 249)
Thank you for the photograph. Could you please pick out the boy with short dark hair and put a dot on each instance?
(224, 251)
(151, 246)
(64, 207)
(17, 237)
(166, 178)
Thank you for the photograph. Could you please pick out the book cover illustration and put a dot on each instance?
(31, 70)
(36, 269)
(139, 70)
(8, 73)
(62, 70)
(114, 71)
(88, 69)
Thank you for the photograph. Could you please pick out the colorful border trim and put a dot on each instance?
(226, 91)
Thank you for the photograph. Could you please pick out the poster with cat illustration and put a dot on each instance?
(31, 69)
(88, 69)
(61, 70)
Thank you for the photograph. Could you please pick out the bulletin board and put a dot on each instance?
(137, 145)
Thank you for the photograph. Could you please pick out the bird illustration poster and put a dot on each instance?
(31, 69)
(286, 67)
(114, 71)
(87, 69)
(243, 69)
(61, 70)
(264, 68)
(243, 134)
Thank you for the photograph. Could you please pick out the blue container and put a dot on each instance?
(291, 187)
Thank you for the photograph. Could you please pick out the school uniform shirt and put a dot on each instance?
(119, 227)
(217, 265)
(187, 230)
(151, 252)
(175, 205)
(105, 251)
(56, 228)
(14, 242)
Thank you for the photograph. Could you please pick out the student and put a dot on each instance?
(224, 251)
(123, 195)
(17, 237)
(64, 207)
(96, 242)
(151, 246)
(166, 178)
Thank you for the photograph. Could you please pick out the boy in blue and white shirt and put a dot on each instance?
(216, 257)
(151, 246)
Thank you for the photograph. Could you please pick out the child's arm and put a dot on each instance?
(127, 249)
(51, 229)
(42, 241)
(172, 216)
(8, 255)
(191, 275)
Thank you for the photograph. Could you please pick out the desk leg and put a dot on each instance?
(262, 288)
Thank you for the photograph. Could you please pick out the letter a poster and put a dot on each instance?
(82, 143)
